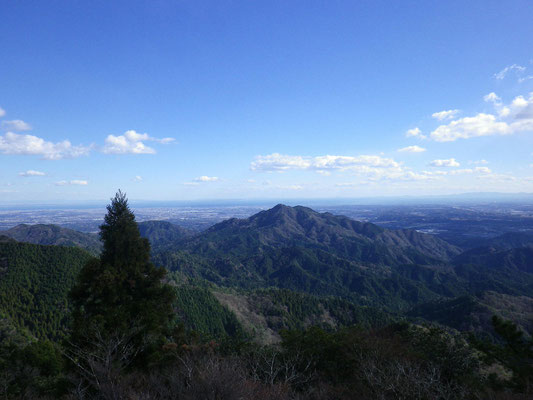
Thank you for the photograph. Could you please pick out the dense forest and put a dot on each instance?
(288, 304)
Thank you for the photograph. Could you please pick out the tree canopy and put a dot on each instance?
(121, 292)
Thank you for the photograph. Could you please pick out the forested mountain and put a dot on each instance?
(159, 233)
(34, 282)
(338, 298)
(513, 260)
(54, 235)
(163, 233)
(473, 313)
(6, 239)
(318, 256)
(284, 226)
(299, 249)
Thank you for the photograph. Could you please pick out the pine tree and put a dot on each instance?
(121, 293)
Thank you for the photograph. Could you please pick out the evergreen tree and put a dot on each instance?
(121, 293)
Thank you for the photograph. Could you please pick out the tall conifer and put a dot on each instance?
(122, 291)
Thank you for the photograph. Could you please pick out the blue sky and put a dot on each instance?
(184, 100)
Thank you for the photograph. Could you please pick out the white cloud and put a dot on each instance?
(206, 179)
(138, 178)
(13, 143)
(190, 183)
(289, 187)
(503, 73)
(415, 132)
(280, 162)
(478, 162)
(468, 127)
(2, 112)
(412, 149)
(525, 78)
(77, 182)
(348, 162)
(442, 115)
(492, 98)
(31, 172)
(373, 168)
(477, 170)
(131, 143)
(512, 118)
(451, 162)
(17, 125)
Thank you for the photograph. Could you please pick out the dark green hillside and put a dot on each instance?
(298, 249)
(6, 239)
(197, 309)
(54, 235)
(518, 259)
(507, 241)
(34, 282)
(474, 313)
(163, 233)
(284, 226)
(264, 313)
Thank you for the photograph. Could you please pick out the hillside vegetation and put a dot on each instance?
(299, 249)
(54, 235)
(34, 283)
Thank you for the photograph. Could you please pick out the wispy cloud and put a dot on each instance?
(443, 115)
(77, 182)
(2, 112)
(205, 178)
(478, 162)
(412, 149)
(31, 172)
(201, 179)
(511, 68)
(276, 162)
(17, 125)
(451, 162)
(415, 132)
(13, 143)
(372, 167)
(131, 142)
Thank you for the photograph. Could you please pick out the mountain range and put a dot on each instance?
(344, 267)
(300, 249)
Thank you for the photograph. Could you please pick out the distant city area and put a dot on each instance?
(456, 224)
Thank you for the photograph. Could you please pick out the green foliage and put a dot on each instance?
(55, 235)
(515, 352)
(397, 361)
(298, 249)
(34, 283)
(35, 368)
(289, 310)
(200, 311)
(163, 233)
(122, 291)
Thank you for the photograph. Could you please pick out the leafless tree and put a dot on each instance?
(102, 363)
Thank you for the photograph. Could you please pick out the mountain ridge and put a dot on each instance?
(283, 226)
